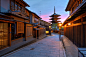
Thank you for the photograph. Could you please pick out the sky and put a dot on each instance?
(45, 8)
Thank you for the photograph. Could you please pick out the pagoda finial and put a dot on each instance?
(54, 9)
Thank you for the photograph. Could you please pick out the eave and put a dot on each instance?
(22, 2)
(70, 3)
(77, 12)
(9, 19)
(55, 21)
(4, 16)
(57, 15)
(10, 13)
(28, 10)
(54, 18)
(36, 15)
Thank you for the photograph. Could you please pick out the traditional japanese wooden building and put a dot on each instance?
(15, 27)
(75, 24)
(5, 29)
(47, 26)
(28, 27)
(38, 29)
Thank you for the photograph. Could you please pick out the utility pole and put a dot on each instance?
(40, 13)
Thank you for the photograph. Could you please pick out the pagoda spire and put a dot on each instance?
(54, 9)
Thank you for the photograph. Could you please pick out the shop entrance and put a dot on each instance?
(3, 35)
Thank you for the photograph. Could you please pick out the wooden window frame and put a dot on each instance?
(12, 7)
(20, 27)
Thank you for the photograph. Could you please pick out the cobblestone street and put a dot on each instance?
(47, 47)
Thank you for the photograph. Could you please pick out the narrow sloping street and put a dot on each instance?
(47, 47)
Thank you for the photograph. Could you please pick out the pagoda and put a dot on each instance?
(54, 17)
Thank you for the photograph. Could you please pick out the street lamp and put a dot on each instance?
(65, 25)
(69, 23)
(49, 27)
(60, 25)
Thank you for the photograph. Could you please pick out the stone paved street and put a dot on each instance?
(47, 47)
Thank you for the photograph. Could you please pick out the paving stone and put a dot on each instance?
(47, 47)
(71, 49)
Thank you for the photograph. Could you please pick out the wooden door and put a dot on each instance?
(3, 35)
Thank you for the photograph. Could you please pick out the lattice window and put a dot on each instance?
(20, 27)
(29, 30)
(3, 35)
(12, 5)
(23, 10)
(16, 7)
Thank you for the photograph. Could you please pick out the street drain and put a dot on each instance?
(32, 48)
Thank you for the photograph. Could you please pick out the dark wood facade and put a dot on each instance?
(18, 25)
(47, 26)
(38, 29)
(75, 24)
(14, 23)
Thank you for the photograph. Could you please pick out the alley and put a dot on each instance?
(47, 47)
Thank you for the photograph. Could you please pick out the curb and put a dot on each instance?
(70, 49)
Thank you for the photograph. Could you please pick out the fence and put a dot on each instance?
(76, 33)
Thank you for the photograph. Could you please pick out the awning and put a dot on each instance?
(43, 27)
(35, 28)
(10, 20)
(6, 20)
(14, 13)
(34, 23)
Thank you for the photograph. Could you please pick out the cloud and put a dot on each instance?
(44, 16)
(47, 8)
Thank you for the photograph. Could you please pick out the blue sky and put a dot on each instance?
(47, 8)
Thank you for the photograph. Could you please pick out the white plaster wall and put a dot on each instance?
(5, 5)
